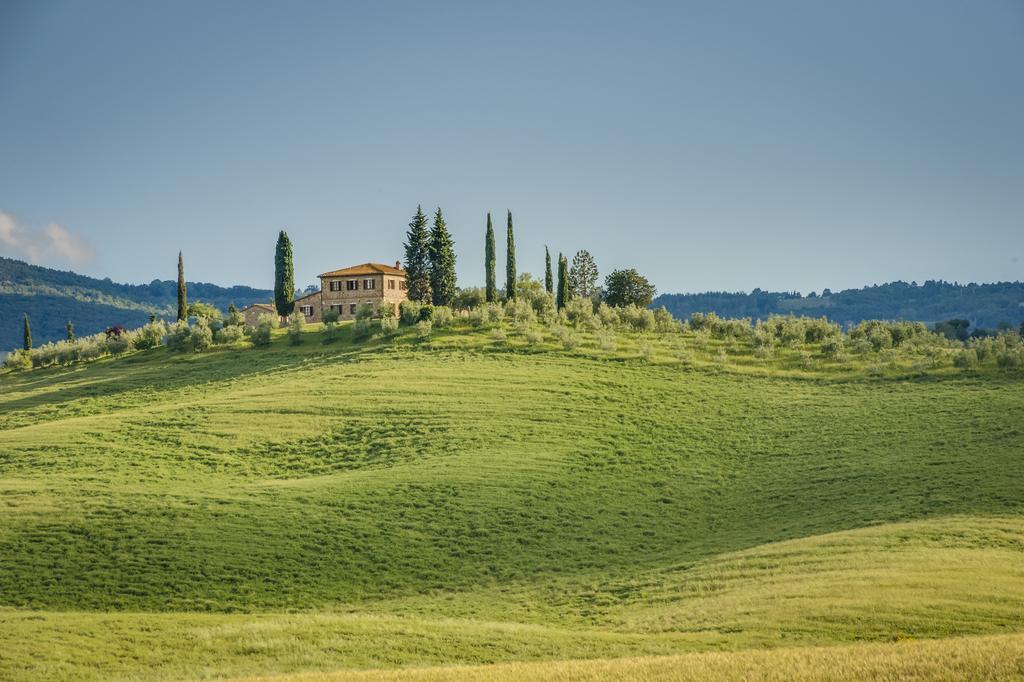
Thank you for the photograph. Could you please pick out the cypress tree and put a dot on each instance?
(490, 262)
(442, 263)
(27, 343)
(549, 284)
(284, 276)
(70, 330)
(510, 262)
(417, 258)
(182, 299)
(563, 282)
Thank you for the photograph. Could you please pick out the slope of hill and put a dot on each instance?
(452, 501)
(985, 305)
(52, 297)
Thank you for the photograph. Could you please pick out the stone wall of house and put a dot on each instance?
(253, 313)
(382, 288)
(309, 305)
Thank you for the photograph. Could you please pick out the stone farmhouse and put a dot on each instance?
(344, 290)
(374, 283)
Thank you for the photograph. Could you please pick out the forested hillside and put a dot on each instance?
(985, 305)
(52, 297)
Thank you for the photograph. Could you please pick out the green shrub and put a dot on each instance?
(534, 337)
(498, 335)
(149, 336)
(469, 298)
(579, 312)
(228, 335)
(606, 341)
(179, 337)
(1008, 359)
(201, 336)
(18, 359)
(478, 316)
(664, 322)
(330, 316)
(832, 347)
(296, 323)
(442, 316)
(423, 329)
(261, 335)
(389, 326)
(362, 329)
(118, 345)
(409, 312)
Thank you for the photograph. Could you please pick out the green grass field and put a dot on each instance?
(403, 504)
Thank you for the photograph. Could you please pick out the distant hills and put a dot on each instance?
(52, 297)
(984, 305)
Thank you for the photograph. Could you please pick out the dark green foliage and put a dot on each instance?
(583, 275)
(26, 337)
(417, 258)
(628, 287)
(442, 263)
(468, 298)
(182, 293)
(284, 276)
(954, 329)
(984, 304)
(490, 264)
(562, 297)
(70, 331)
(510, 262)
(549, 284)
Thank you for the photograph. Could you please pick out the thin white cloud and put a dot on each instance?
(53, 244)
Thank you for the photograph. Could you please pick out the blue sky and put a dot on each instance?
(712, 145)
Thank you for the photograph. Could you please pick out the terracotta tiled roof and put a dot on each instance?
(366, 269)
(311, 295)
(259, 305)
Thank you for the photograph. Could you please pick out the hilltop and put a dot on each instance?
(474, 496)
(52, 297)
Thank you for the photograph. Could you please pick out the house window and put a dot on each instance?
(339, 307)
(391, 284)
(352, 284)
(351, 308)
(369, 284)
(307, 310)
(403, 285)
(335, 285)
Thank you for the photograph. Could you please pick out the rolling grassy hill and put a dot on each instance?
(585, 514)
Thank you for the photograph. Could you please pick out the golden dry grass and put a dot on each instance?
(965, 658)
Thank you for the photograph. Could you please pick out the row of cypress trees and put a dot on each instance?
(430, 260)
(490, 262)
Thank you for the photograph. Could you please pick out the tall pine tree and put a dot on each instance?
(510, 262)
(442, 263)
(182, 297)
(284, 276)
(563, 282)
(417, 258)
(27, 335)
(549, 284)
(490, 263)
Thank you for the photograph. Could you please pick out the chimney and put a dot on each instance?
(398, 265)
